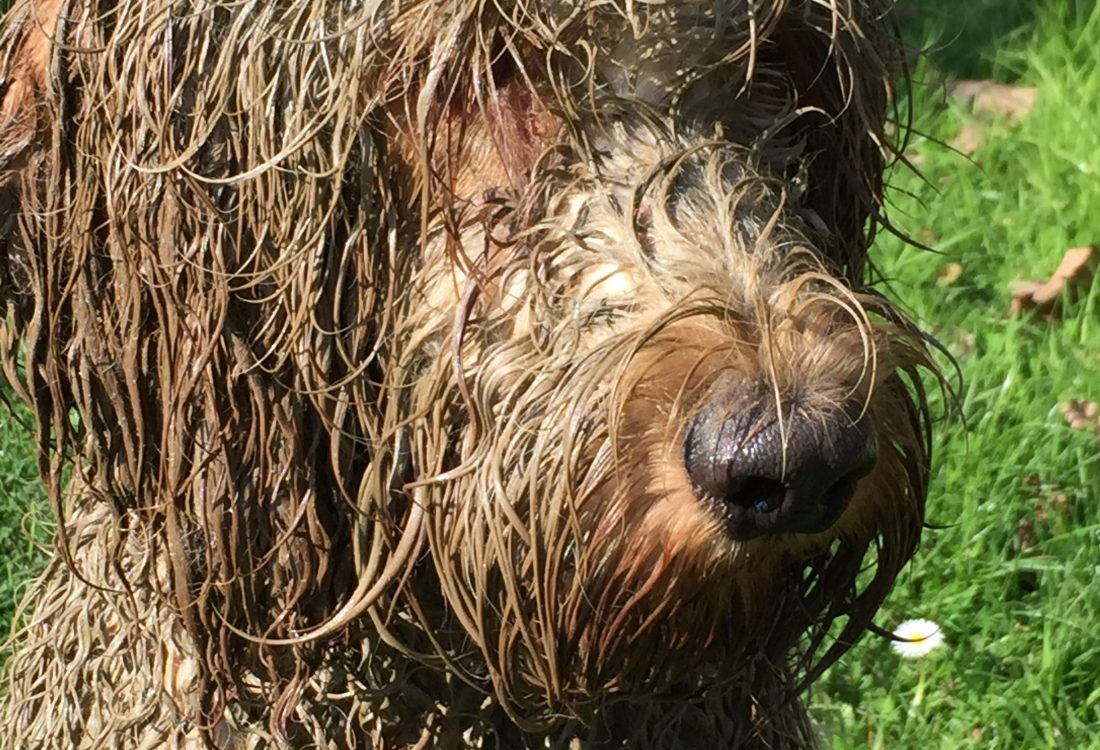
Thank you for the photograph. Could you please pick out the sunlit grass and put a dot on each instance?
(1012, 577)
(23, 512)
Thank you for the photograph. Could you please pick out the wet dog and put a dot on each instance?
(452, 374)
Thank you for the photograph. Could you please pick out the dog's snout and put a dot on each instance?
(768, 474)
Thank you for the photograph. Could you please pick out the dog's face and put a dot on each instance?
(661, 423)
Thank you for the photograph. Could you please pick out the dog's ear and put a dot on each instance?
(26, 42)
(839, 80)
(482, 127)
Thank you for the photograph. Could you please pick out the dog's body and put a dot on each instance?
(452, 374)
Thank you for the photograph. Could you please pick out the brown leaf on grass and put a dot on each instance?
(1074, 273)
(1051, 510)
(1041, 514)
(1052, 513)
(949, 274)
(969, 139)
(1081, 414)
(990, 97)
(1025, 532)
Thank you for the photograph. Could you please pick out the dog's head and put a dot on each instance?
(530, 340)
(664, 424)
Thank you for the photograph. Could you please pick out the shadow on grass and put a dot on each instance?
(961, 39)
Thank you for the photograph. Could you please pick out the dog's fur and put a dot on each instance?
(363, 337)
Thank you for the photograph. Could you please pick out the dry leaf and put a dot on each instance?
(1025, 532)
(989, 97)
(969, 139)
(1041, 514)
(1081, 414)
(1050, 508)
(1074, 273)
(949, 274)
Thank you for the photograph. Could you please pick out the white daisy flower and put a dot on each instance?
(916, 638)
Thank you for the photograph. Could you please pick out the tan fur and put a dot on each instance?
(363, 339)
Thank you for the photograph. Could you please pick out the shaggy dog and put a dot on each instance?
(452, 373)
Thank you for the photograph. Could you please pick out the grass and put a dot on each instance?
(24, 516)
(1010, 576)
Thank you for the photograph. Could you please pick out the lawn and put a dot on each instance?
(24, 516)
(1009, 571)
(1011, 576)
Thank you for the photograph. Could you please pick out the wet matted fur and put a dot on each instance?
(364, 339)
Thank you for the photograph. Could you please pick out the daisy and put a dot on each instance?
(916, 638)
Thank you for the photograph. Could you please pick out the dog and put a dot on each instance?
(453, 374)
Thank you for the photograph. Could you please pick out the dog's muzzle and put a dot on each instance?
(766, 474)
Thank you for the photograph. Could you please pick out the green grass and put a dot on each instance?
(1023, 657)
(1012, 579)
(23, 512)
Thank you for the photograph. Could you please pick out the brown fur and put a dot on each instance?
(363, 338)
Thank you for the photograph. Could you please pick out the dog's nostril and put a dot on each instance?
(840, 492)
(756, 494)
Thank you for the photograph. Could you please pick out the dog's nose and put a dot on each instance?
(767, 476)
